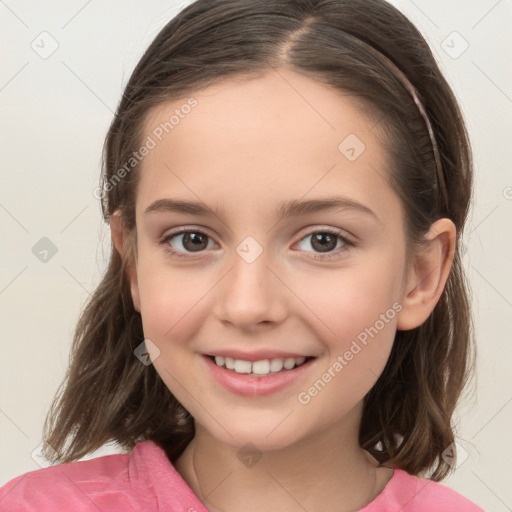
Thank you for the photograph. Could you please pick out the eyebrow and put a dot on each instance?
(285, 209)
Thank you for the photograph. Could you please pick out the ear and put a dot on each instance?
(124, 243)
(427, 275)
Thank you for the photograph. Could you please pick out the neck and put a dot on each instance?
(325, 471)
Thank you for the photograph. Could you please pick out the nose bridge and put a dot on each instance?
(251, 292)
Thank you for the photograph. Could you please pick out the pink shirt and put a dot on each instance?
(145, 480)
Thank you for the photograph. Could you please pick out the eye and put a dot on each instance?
(186, 242)
(325, 241)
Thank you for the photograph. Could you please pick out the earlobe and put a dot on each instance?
(123, 243)
(428, 274)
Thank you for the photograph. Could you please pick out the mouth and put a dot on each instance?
(261, 368)
(260, 377)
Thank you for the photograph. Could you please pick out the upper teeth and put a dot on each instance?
(263, 367)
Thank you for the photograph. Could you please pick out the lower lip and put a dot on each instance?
(255, 386)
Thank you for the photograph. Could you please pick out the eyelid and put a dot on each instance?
(182, 230)
(348, 241)
(318, 228)
(308, 230)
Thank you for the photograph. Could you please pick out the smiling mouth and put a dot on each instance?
(262, 368)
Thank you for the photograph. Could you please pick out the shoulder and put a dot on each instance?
(111, 482)
(410, 493)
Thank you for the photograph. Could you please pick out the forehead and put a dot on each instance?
(260, 141)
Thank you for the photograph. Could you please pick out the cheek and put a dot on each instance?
(356, 309)
(349, 300)
(168, 300)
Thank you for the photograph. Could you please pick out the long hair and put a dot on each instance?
(108, 395)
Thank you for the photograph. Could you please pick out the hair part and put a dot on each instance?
(408, 412)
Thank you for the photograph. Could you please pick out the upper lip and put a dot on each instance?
(256, 355)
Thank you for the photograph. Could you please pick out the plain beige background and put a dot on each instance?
(63, 67)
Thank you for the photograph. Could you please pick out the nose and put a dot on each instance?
(252, 293)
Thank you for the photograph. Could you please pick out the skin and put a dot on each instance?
(247, 146)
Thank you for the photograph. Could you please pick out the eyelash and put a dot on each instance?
(319, 256)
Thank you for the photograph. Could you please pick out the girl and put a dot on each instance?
(284, 323)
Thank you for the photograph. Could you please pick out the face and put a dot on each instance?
(256, 276)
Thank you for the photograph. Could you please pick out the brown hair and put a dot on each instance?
(108, 395)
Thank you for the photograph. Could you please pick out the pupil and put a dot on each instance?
(321, 238)
(324, 242)
(198, 242)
